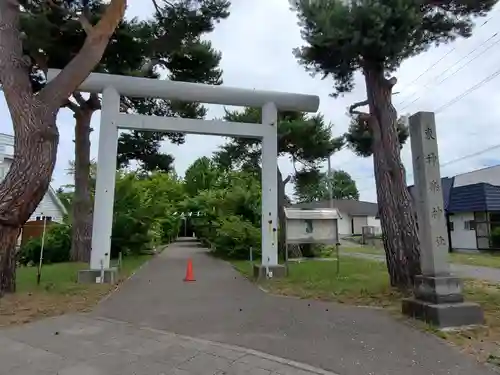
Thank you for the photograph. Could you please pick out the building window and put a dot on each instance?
(470, 225)
(451, 225)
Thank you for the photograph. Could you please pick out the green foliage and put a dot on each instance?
(230, 213)
(200, 175)
(359, 137)
(313, 185)
(143, 212)
(56, 246)
(495, 237)
(235, 237)
(305, 139)
(143, 218)
(66, 197)
(343, 37)
(175, 44)
(171, 40)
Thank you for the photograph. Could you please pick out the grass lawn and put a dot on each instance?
(472, 259)
(365, 283)
(362, 249)
(479, 259)
(58, 292)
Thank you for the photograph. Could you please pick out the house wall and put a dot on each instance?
(374, 222)
(344, 224)
(47, 206)
(462, 238)
(490, 175)
(358, 223)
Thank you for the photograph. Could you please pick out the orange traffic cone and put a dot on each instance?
(189, 271)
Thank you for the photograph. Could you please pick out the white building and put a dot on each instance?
(472, 207)
(51, 206)
(354, 215)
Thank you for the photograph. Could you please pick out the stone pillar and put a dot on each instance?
(438, 297)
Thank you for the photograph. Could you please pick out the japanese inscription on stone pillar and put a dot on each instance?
(431, 217)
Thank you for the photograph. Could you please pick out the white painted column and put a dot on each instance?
(269, 186)
(105, 183)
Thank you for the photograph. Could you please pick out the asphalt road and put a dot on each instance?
(223, 306)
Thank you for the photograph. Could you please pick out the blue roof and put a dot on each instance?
(475, 197)
(447, 186)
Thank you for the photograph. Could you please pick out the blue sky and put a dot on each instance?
(256, 42)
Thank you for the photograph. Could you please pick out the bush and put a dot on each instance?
(495, 238)
(56, 247)
(234, 238)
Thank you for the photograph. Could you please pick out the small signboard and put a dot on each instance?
(315, 226)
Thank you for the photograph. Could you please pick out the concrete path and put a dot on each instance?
(84, 345)
(224, 307)
(474, 272)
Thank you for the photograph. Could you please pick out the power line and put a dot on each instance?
(492, 15)
(454, 101)
(433, 83)
(453, 161)
(468, 91)
(432, 66)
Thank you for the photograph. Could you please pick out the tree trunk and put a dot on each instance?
(34, 122)
(81, 241)
(28, 179)
(395, 204)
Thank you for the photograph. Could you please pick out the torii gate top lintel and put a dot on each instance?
(112, 119)
(195, 92)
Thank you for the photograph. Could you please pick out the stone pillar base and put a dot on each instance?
(439, 301)
(93, 276)
(260, 271)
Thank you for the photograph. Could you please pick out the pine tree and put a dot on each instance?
(373, 37)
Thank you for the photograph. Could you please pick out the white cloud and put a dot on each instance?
(256, 44)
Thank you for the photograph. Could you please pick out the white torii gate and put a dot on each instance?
(112, 86)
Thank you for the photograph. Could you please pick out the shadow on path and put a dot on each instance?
(225, 307)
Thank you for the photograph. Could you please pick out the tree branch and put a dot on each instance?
(357, 105)
(287, 180)
(82, 18)
(363, 115)
(94, 103)
(157, 9)
(73, 106)
(79, 98)
(75, 72)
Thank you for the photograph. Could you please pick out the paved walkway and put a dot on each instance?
(474, 272)
(84, 345)
(224, 307)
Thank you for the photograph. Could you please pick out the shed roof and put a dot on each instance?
(345, 206)
(314, 214)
